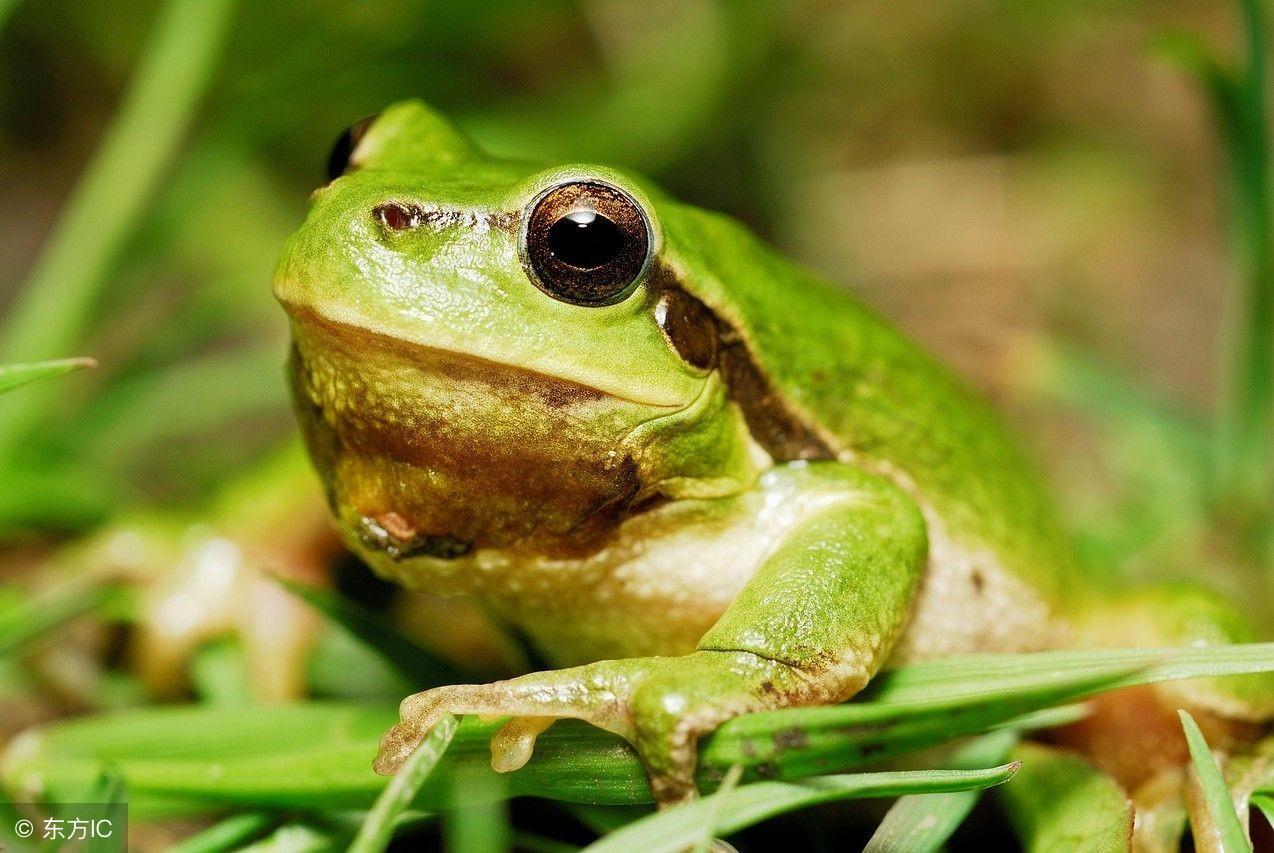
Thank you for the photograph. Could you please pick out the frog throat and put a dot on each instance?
(364, 457)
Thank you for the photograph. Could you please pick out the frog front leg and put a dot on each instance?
(816, 621)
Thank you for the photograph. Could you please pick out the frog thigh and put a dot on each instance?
(1058, 801)
(1182, 614)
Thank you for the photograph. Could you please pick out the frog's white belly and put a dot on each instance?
(968, 602)
(669, 573)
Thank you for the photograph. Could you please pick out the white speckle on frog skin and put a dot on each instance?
(674, 703)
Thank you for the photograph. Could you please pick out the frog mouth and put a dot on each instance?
(553, 389)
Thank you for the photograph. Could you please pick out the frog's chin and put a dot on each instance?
(431, 454)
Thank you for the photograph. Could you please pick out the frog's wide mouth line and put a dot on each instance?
(565, 389)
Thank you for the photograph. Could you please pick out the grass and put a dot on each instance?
(377, 831)
(918, 823)
(16, 375)
(729, 811)
(315, 757)
(1216, 796)
(1244, 425)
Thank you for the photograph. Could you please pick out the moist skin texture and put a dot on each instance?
(726, 487)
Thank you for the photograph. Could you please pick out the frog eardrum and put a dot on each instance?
(585, 242)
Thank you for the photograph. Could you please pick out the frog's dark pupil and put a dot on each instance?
(585, 239)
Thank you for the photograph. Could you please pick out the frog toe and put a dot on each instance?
(533, 701)
(512, 745)
(418, 714)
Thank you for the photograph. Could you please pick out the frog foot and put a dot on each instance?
(662, 706)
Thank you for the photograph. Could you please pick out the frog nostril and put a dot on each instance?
(397, 216)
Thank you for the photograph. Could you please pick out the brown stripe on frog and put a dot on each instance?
(406, 215)
(706, 341)
(425, 451)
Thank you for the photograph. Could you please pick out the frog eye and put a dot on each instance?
(586, 242)
(342, 149)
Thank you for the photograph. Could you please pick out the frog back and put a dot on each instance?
(851, 386)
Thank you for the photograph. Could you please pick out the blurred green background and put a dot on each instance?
(1037, 190)
(991, 175)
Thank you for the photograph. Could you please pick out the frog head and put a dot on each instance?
(488, 353)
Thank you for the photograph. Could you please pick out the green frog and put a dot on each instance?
(701, 480)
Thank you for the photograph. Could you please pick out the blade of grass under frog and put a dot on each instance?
(319, 756)
(378, 829)
(1216, 796)
(961, 678)
(673, 829)
(230, 834)
(414, 662)
(480, 820)
(295, 838)
(304, 755)
(712, 819)
(924, 822)
(532, 843)
(16, 375)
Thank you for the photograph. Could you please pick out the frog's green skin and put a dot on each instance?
(698, 543)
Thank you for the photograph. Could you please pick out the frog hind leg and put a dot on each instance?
(1134, 735)
(1060, 801)
(207, 575)
(1183, 614)
(818, 618)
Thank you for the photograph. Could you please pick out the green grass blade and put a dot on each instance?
(674, 829)
(107, 799)
(530, 843)
(318, 755)
(1248, 420)
(16, 375)
(6, 9)
(923, 822)
(1265, 804)
(220, 675)
(417, 664)
(713, 818)
(229, 834)
(50, 610)
(971, 676)
(53, 309)
(376, 832)
(478, 822)
(295, 838)
(1216, 795)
